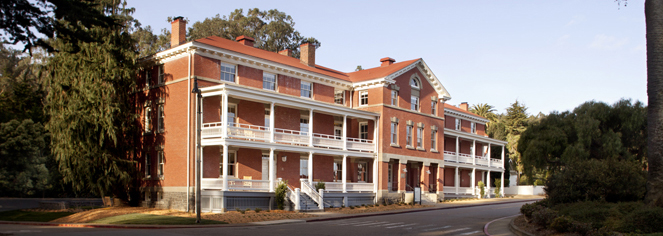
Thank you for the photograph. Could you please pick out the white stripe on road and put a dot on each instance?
(444, 227)
(398, 226)
(374, 223)
(354, 223)
(468, 233)
(451, 231)
(388, 224)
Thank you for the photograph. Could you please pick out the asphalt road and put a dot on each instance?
(459, 221)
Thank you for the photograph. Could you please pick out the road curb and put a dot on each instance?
(485, 227)
(83, 225)
(517, 230)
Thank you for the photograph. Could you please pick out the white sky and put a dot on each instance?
(550, 55)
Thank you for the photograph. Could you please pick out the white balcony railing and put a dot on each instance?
(295, 137)
(350, 187)
(236, 184)
(465, 190)
(482, 161)
(495, 162)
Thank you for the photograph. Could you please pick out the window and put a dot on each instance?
(161, 75)
(473, 128)
(148, 165)
(303, 125)
(414, 101)
(414, 83)
(408, 140)
(148, 123)
(227, 72)
(232, 114)
(160, 117)
(269, 81)
(303, 168)
(394, 97)
(338, 131)
(433, 139)
(339, 97)
(232, 160)
(394, 133)
(306, 89)
(160, 163)
(363, 98)
(148, 78)
(267, 119)
(433, 108)
(457, 124)
(362, 172)
(338, 171)
(363, 130)
(420, 137)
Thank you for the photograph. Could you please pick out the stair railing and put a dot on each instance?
(310, 191)
(293, 196)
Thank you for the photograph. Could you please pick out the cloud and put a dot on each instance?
(605, 42)
(576, 20)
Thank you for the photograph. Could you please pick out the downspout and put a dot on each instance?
(188, 136)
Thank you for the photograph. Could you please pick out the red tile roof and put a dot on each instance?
(362, 75)
(452, 107)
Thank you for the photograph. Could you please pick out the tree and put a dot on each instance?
(654, 25)
(485, 110)
(273, 30)
(23, 169)
(90, 105)
(515, 122)
(148, 43)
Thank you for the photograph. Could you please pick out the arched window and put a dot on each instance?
(414, 82)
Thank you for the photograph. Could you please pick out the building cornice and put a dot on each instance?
(471, 136)
(457, 114)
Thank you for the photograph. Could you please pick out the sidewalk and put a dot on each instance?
(500, 227)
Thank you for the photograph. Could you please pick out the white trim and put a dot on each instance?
(461, 115)
(284, 147)
(465, 135)
(363, 92)
(310, 91)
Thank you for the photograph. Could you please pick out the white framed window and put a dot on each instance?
(433, 140)
(338, 131)
(227, 72)
(268, 81)
(303, 168)
(161, 78)
(232, 114)
(458, 124)
(160, 118)
(408, 140)
(394, 97)
(306, 90)
(232, 163)
(160, 164)
(148, 78)
(362, 172)
(303, 125)
(339, 97)
(267, 118)
(363, 130)
(338, 171)
(394, 133)
(473, 128)
(420, 137)
(433, 108)
(414, 103)
(363, 98)
(148, 165)
(148, 119)
(414, 83)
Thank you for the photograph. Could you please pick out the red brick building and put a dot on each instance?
(269, 117)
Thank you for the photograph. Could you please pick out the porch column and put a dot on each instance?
(425, 177)
(502, 185)
(345, 171)
(438, 177)
(272, 169)
(457, 150)
(402, 171)
(310, 129)
(376, 132)
(472, 179)
(225, 167)
(456, 180)
(489, 162)
(376, 164)
(345, 135)
(474, 151)
(271, 126)
(224, 119)
(488, 183)
(503, 157)
(310, 168)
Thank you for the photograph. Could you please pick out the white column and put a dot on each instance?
(457, 180)
(225, 168)
(310, 168)
(488, 183)
(376, 132)
(474, 151)
(345, 132)
(502, 184)
(472, 179)
(310, 127)
(503, 157)
(224, 116)
(457, 148)
(375, 170)
(345, 173)
(272, 169)
(271, 123)
(488, 156)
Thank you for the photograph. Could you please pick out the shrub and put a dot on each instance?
(352, 207)
(593, 213)
(498, 186)
(280, 193)
(258, 210)
(482, 189)
(643, 220)
(562, 224)
(538, 182)
(543, 216)
(319, 185)
(591, 180)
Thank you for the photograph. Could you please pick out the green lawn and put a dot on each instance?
(148, 219)
(18, 215)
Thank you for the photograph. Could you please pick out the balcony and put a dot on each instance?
(350, 187)
(285, 136)
(235, 184)
(454, 157)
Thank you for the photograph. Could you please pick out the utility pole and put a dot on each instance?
(199, 116)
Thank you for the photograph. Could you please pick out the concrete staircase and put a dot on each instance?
(428, 198)
(307, 204)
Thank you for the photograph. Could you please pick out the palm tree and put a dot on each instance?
(654, 23)
(485, 110)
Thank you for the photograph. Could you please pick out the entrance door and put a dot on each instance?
(265, 167)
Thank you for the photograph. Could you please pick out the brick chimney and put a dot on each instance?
(178, 32)
(286, 52)
(248, 41)
(387, 61)
(464, 106)
(307, 54)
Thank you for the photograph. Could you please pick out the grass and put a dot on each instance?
(149, 219)
(19, 215)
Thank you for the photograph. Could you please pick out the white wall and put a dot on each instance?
(524, 190)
